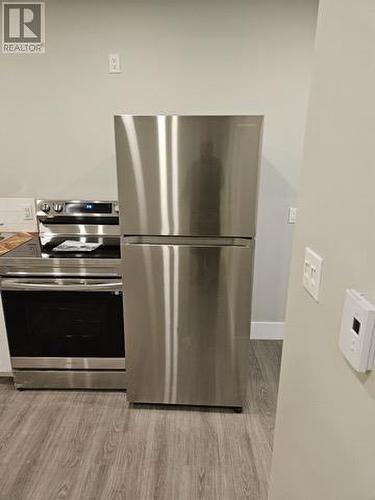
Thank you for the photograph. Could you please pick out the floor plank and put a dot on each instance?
(80, 445)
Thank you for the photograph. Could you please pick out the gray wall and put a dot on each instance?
(56, 132)
(325, 435)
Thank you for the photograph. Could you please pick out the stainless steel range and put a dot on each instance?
(62, 299)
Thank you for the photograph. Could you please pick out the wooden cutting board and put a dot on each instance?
(14, 241)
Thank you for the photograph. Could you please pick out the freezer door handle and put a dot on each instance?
(188, 241)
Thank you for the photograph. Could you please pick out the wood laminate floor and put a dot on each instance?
(89, 445)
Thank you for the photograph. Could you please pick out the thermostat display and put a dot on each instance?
(356, 325)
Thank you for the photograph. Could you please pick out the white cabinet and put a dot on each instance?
(5, 367)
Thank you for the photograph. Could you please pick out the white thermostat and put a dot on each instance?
(357, 335)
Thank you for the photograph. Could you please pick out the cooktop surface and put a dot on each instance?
(108, 249)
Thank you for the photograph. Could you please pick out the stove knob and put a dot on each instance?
(57, 207)
(45, 207)
(117, 209)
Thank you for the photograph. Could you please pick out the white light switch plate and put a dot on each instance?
(312, 272)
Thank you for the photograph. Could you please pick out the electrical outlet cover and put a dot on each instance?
(292, 215)
(114, 63)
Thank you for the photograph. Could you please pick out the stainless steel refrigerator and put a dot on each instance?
(188, 195)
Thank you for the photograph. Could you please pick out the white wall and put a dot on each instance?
(325, 435)
(250, 56)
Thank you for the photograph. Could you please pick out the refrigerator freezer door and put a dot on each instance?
(188, 175)
(187, 323)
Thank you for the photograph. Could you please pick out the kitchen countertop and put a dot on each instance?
(30, 249)
(4, 236)
(10, 241)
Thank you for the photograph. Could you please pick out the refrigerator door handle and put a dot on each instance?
(219, 241)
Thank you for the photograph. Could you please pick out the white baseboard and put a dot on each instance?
(273, 330)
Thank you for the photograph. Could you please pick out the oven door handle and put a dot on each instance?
(62, 285)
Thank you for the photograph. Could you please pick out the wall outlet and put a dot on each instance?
(292, 215)
(114, 63)
(28, 212)
(312, 273)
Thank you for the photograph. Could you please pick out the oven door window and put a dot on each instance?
(64, 324)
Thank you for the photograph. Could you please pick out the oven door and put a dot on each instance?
(64, 323)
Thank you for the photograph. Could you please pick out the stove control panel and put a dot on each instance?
(68, 208)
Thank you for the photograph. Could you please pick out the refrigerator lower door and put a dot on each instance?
(187, 322)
